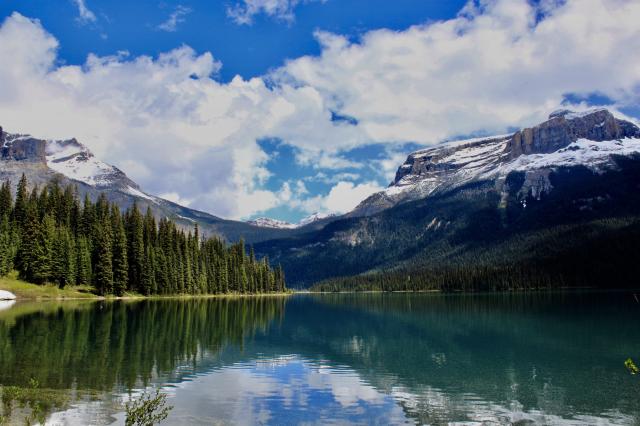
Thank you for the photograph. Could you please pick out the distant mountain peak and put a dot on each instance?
(70, 162)
(315, 217)
(265, 222)
(570, 114)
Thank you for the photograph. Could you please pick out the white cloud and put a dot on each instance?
(489, 68)
(175, 18)
(175, 129)
(334, 177)
(244, 11)
(85, 15)
(342, 198)
(175, 197)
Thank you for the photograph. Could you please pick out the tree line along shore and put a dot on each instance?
(49, 237)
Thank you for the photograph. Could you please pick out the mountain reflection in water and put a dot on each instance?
(353, 358)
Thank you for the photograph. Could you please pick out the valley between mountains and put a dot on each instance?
(554, 205)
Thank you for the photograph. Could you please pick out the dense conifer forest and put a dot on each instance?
(49, 236)
(597, 254)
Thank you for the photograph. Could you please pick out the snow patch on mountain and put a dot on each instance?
(314, 218)
(265, 222)
(487, 161)
(135, 191)
(76, 162)
(583, 152)
(10, 138)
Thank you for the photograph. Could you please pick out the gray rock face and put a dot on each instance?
(23, 148)
(565, 127)
(431, 163)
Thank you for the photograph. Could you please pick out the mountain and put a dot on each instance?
(265, 222)
(567, 138)
(317, 219)
(313, 221)
(70, 162)
(555, 203)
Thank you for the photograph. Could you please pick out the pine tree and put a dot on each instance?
(8, 243)
(44, 250)
(120, 260)
(64, 259)
(49, 237)
(70, 258)
(83, 262)
(103, 274)
(88, 217)
(135, 248)
(6, 200)
(148, 282)
(22, 198)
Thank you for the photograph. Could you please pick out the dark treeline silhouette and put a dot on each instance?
(48, 236)
(597, 254)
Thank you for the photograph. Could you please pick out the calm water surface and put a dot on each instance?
(332, 359)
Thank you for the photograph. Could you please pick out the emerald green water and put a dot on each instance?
(330, 359)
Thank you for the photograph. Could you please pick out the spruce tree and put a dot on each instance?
(22, 199)
(120, 260)
(6, 200)
(135, 248)
(44, 250)
(103, 271)
(83, 262)
(49, 237)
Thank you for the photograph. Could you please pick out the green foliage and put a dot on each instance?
(148, 410)
(49, 238)
(631, 366)
(40, 402)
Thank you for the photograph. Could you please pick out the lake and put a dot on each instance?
(538, 358)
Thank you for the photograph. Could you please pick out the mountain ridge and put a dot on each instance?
(452, 164)
(70, 162)
(451, 203)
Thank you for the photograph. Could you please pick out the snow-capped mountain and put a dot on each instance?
(75, 161)
(566, 139)
(315, 218)
(265, 222)
(555, 196)
(70, 162)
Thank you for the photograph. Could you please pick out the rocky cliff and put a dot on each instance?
(566, 139)
(565, 127)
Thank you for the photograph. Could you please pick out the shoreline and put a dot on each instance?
(25, 291)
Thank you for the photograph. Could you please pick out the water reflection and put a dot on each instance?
(364, 359)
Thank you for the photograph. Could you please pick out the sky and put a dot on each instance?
(283, 108)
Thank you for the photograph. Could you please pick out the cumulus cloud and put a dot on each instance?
(343, 197)
(85, 15)
(173, 127)
(176, 17)
(493, 66)
(244, 11)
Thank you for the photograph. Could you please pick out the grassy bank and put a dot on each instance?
(27, 291)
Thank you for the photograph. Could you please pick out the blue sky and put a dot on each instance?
(246, 49)
(281, 108)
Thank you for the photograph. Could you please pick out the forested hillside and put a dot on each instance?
(584, 233)
(49, 237)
